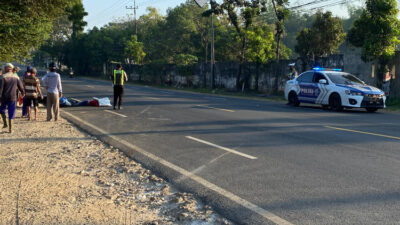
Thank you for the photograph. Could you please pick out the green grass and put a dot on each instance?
(393, 104)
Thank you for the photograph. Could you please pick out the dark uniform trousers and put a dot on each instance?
(118, 93)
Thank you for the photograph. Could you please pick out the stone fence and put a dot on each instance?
(270, 77)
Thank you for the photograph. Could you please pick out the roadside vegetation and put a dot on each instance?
(245, 31)
(393, 104)
(257, 31)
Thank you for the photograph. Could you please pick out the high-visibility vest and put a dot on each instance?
(293, 75)
(122, 76)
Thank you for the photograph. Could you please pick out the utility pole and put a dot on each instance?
(134, 7)
(212, 52)
(202, 3)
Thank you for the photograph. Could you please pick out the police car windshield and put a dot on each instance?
(344, 78)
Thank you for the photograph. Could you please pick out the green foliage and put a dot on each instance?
(295, 23)
(324, 38)
(393, 104)
(184, 63)
(185, 59)
(25, 24)
(304, 43)
(76, 13)
(377, 30)
(180, 37)
(260, 45)
(354, 14)
(281, 13)
(134, 50)
(182, 31)
(241, 14)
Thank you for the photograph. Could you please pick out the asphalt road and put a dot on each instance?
(256, 162)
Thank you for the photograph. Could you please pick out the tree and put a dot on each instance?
(25, 25)
(134, 50)
(260, 47)
(324, 38)
(55, 45)
(295, 23)
(376, 32)
(354, 14)
(282, 13)
(304, 43)
(241, 15)
(76, 13)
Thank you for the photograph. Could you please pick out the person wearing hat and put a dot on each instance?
(52, 83)
(8, 95)
(118, 78)
(16, 70)
(293, 72)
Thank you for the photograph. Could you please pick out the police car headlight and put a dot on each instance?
(354, 93)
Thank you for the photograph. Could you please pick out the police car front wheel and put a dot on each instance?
(293, 99)
(335, 102)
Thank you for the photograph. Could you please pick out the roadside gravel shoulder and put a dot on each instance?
(52, 173)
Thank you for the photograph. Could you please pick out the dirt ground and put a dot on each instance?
(52, 173)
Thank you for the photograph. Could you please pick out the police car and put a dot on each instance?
(335, 89)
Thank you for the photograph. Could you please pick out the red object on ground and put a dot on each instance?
(93, 102)
(20, 99)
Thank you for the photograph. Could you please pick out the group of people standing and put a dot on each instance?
(29, 89)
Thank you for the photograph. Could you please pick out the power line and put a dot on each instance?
(116, 6)
(134, 7)
(331, 4)
(309, 3)
(108, 8)
(148, 2)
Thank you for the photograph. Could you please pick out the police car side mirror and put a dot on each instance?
(323, 81)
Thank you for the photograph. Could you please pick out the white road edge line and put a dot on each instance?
(160, 119)
(244, 203)
(145, 110)
(222, 148)
(121, 115)
(209, 107)
(152, 98)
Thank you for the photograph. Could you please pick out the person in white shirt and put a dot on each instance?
(52, 83)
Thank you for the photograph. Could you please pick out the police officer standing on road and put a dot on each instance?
(119, 78)
(293, 72)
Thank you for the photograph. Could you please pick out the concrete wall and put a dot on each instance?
(198, 75)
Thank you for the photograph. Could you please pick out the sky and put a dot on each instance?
(101, 12)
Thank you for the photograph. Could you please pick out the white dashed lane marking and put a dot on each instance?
(227, 194)
(222, 148)
(115, 113)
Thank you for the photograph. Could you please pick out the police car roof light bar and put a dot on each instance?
(322, 69)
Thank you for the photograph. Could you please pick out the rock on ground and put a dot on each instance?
(52, 173)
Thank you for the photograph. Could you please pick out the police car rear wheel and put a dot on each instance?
(293, 99)
(335, 103)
